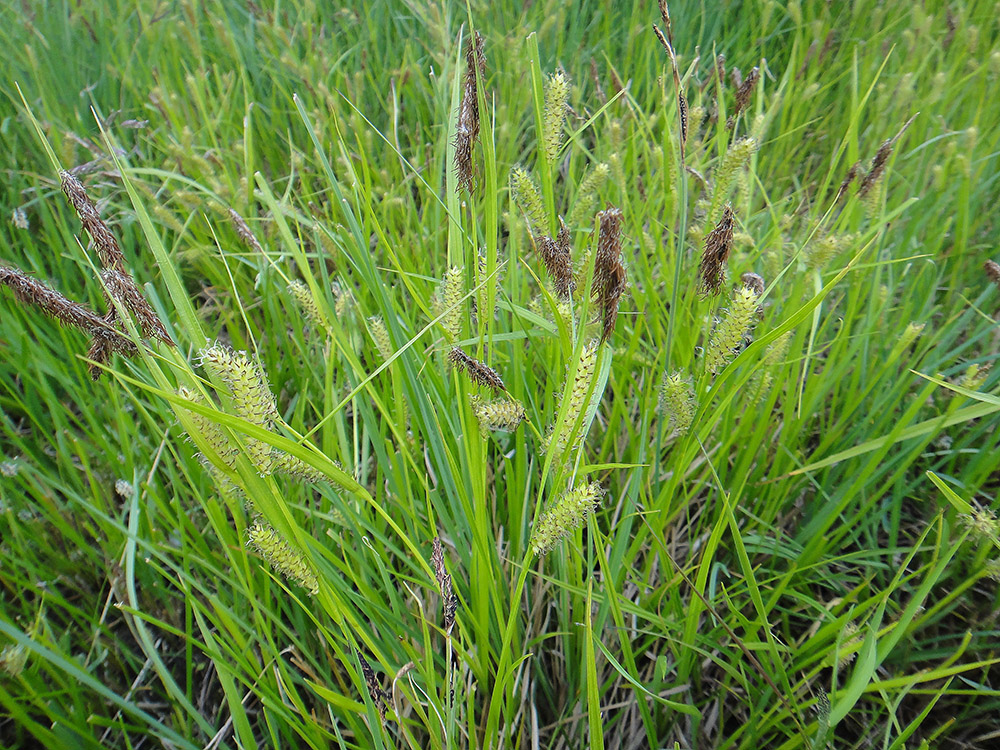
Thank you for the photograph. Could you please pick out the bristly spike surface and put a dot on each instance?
(718, 245)
(479, 372)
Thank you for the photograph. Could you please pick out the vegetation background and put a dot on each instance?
(796, 551)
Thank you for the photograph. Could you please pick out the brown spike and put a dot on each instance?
(467, 128)
(880, 160)
(479, 372)
(122, 287)
(718, 245)
(609, 273)
(743, 94)
(992, 269)
(107, 246)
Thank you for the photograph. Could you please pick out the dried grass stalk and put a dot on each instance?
(595, 77)
(667, 41)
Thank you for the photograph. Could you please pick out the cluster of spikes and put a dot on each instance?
(108, 332)
(607, 286)
(610, 278)
(252, 399)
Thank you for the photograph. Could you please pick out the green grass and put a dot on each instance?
(792, 572)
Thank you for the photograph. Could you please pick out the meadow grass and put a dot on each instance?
(499, 414)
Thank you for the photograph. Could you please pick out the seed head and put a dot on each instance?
(563, 435)
(718, 245)
(975, 375)
(568, 512)
(304, 298)
(876, 168)
(732, 331)
(378, 695)
(209, 431)
(501, 414)
(744, 92)
(13, 658)
(992, 569)
(122, 287)
(682, 114)
(851, 639)
(292, 466)
(450, 601)
(586, 196)
(380, 335)
(992, 269)
(609, 273)
(556, 255)
(467, 128)
(737, 157)
(107, 337)
(280, 555)
(19, 218)
(754, 281)
(107, 246)
(119, 284)
(763, 377)
(556, 99)
(343, 300)
(528, 199)
(852, 173)
(247, 381)
(251, 393)
(487, 285)
(677, 401)
(878, 163)
(31, 291)
(244, 232)
(822, 250)
(665, 17)
(983, 525)
(450, 302)
(910, 334)
(479, 372)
